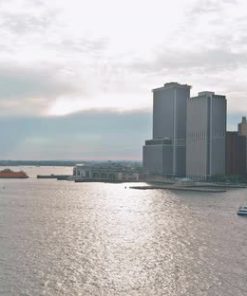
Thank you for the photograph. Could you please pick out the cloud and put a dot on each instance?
(62, 57)
(56, 90)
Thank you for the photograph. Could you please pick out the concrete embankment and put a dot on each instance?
(216, 185)
(180, 188)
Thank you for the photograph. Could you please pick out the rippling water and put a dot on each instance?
(65, 238)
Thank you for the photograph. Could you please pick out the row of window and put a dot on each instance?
(204, 134)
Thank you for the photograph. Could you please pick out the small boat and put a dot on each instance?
(242, 211)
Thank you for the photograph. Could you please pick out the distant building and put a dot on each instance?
(165, 154)
(242, 130)
(206, 135)
(242, 127)
(235, 154)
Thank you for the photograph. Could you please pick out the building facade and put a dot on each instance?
(165, 154)
(205, 136)
(235, 154)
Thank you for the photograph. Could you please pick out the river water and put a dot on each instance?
(65, 238)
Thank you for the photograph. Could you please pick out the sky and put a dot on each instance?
(76, 75)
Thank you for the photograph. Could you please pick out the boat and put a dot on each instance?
(9, 174)
(242, 211)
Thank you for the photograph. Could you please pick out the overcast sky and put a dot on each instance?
(76, 75)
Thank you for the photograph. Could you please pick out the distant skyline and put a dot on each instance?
(76, 76)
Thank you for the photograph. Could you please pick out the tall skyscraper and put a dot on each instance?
(165, 154)
(206, 135)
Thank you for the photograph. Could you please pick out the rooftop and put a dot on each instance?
(172, 85)
(206, 93)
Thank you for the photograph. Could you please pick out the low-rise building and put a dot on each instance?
(158, 157)
(103, 174)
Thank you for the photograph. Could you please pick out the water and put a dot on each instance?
(65, 238)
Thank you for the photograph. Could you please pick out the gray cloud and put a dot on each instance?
(29, 90)
(82, 45)
(218, 59)
(210, 6)
(22, 23)
(34, 2)
(28, 82)
(206, 6)
(28, 17)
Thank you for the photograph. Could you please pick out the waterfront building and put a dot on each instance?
(206, 135)
(104, 173)
(165, 153)
(235, 154)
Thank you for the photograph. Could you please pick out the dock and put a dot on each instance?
(58, 177)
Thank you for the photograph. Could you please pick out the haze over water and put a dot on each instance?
(65, 238)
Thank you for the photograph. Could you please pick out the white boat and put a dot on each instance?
(242, 211)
